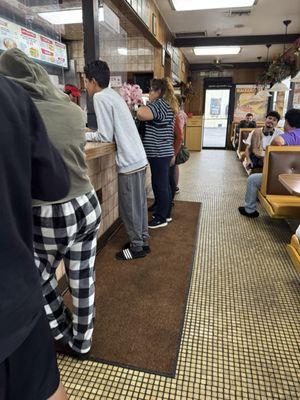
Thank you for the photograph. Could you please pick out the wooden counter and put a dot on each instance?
(94, 149)
(193, 133)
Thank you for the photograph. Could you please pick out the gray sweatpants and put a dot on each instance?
(133, 208)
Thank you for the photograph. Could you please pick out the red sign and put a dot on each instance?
(47, 52)
(46, 40)
(28, 33)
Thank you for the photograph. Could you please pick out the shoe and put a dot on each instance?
(152, 208)
(146, 249)
(177, 190)
(156, 223)
(62, 347)
(129, 254)
(242, 211)
(170, 219)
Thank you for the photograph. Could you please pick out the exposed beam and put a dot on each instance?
(236, 40)
(212, 67)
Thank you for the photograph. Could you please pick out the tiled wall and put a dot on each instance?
(140, 55)
(103, 174)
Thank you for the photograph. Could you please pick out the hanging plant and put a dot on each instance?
(281, 67)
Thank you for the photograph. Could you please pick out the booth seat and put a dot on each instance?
(294, 252)
(276, 200)
(243, 135)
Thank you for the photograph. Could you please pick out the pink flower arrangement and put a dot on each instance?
(132, 94)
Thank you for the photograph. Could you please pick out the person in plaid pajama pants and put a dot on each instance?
(65, 229)
(68, 232)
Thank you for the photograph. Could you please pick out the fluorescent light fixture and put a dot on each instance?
(122, 51)
(216, 50)
(65, 17)
(189, 5)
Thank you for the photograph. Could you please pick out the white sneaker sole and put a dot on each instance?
(169, 219)
(158, 226)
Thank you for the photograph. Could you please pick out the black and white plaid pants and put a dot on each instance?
(68, 232)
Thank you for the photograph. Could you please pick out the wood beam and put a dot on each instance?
(236, 40)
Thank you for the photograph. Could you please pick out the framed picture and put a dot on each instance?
(154, 30)
(163, 54)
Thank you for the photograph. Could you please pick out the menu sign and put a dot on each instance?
(32, 44)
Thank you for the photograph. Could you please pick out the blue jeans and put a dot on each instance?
(160, 169)
(253, 186)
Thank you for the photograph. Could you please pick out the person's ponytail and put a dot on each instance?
(169, 95)
(166, 92)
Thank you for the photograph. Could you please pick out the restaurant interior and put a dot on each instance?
(240, 306)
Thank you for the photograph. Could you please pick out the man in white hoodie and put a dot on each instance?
(115, 124)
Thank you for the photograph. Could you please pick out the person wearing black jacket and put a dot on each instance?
(30, 167)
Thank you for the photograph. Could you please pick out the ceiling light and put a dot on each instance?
(122, 51)
(184, 5)
(216, 50)
(65, 17)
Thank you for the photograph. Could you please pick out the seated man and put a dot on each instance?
(248, 122)
(259, 139)
(291, 137)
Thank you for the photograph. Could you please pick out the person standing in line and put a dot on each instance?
(159, 115)
(178, 140)
(182, 118)
(30, 167)
(65, 229)
(115, 123)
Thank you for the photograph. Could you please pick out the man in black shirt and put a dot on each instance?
(30, 167)
(248, 122)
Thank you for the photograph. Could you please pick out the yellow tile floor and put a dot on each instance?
(241, 333)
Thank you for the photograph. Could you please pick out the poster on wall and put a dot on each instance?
(296, 96)
(34, 45)
(244, 103)
(215, 106)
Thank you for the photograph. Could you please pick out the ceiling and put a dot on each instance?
(265, 19)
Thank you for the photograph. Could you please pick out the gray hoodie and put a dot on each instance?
(115, 123)
(64, 120)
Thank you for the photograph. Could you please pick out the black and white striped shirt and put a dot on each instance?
(159, 136)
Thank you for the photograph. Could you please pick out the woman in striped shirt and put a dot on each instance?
(159, 115)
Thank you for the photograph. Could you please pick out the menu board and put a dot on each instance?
(34, 45)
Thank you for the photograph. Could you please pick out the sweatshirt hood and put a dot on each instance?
(15, 65)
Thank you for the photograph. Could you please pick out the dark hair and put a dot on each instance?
(293, 117)
(249, 115)
(274, 114)
(99, 71)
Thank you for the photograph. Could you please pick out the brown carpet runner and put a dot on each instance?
(140, 304)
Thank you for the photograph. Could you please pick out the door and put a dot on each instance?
(215, 120)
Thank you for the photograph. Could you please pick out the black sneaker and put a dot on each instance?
(63, 348)
(157, 223)
(146, 249)
(177, 190)
(242, 211)
(152, 208)
(128, 254)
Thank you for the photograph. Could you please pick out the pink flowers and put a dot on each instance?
(132, 94)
